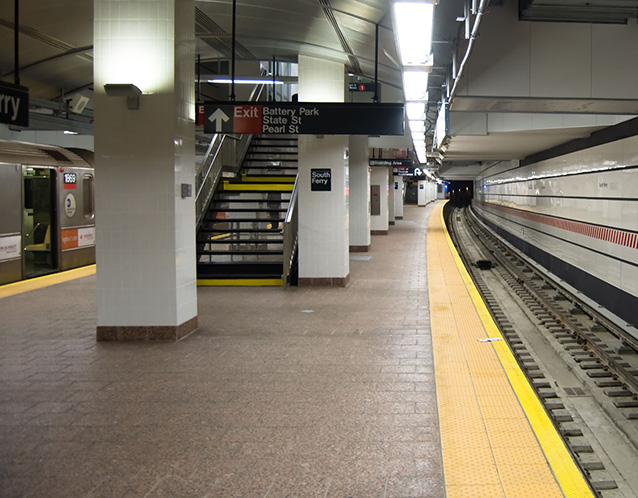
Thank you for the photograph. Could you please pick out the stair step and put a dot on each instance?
(260, 187)
(248, 210)
(227, 200)
(269, 178)
(242, 241)
(244, 220)
(240, 230)
(254, 269)
(244, 252)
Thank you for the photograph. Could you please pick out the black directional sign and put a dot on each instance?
(304, 118)
(14, 104)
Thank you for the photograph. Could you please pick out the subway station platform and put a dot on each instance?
(379, 389)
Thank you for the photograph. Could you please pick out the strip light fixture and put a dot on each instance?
(413, 22)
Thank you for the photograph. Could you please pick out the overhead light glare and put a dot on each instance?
(414, 31)
(415, 110)
(417, 125)
(415, 84)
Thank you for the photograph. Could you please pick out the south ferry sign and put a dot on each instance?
(304, 118)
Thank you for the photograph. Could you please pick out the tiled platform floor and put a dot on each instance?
(305, 392)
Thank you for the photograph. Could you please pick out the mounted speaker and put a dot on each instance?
(78, 103)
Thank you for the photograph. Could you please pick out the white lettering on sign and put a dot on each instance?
(245, 112)
(321, 177)
(308, 111)
(9, 105)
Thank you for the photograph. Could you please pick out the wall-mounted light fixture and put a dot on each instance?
(128, 90)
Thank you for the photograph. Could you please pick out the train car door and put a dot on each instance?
(39, 221)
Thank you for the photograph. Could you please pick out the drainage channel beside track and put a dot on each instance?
(581, 364)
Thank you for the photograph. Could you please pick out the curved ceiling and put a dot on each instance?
(56, 38)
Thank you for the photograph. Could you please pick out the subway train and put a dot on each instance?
(47, 210)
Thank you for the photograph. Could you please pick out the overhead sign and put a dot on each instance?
(361, 87)
(304, 118)
(320, 180)
(14, 104)
(390, 162)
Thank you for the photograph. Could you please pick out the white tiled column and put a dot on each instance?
(146, 273)
(379, 222)
(398, 197)
(359, 194)
(323, 215)
(423, 193)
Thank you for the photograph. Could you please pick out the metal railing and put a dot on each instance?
(290, 235)
(224, 153)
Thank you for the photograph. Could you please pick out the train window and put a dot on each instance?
(87, 193)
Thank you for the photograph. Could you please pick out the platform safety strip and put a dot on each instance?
(45, 281)
(491, 421)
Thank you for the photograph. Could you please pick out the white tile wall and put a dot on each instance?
(145, 231)
(379, 176)
(542, 59)
(359, 191)
(324, 230)
(592, 186)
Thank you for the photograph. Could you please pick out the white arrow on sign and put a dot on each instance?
(218, 117)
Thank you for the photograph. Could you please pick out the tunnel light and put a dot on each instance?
(414, 31)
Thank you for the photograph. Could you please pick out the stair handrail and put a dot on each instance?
(207, 179)
(290, 229)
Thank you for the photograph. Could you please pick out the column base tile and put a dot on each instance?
(391, 222)
(360, 248)
(324, 281)
(151, 333)
(378, 232)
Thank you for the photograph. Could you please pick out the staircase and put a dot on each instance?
(240, 242)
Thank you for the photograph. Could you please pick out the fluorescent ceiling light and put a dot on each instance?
(415, 84)
(415, 110)
(246, 81)
(414, 31)
(418, 136)
(417, 125)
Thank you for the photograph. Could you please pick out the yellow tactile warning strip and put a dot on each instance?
(240, 282)
(496, 438)
(40, 282)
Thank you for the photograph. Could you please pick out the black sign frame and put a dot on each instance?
(320, 180)
(304, 118)
(14, 104)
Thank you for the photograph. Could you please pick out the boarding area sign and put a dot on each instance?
(304, 118)
(14, 104)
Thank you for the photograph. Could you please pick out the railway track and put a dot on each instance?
(583, 366)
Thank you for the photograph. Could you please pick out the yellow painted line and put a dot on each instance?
(282, 179)
(240, 282)
(496, 437)
(275, 187)
(45, 281)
